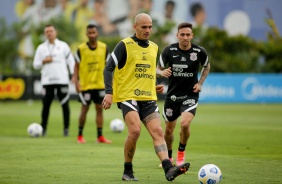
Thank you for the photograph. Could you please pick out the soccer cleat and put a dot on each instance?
(80, 139)
(175, 171)
(44, 133)
(171, 160)
(180, 157)
(129, 177)
(66, 132)
(102, 139)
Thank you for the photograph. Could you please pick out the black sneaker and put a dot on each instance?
(44, 133)
(66, 132)
(129, 177)
(175, 171)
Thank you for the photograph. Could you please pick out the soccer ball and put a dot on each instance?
(117, 125)
(34, 130)
(209, 174)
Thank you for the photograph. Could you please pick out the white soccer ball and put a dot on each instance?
(117, 125)
(34, 130)
(209, 174)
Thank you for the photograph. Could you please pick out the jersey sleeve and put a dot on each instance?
(164, 58)
(117, 58)
(37, 61)
(204, 57)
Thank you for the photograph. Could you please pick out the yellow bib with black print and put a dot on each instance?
(137, 79)
(91, 67)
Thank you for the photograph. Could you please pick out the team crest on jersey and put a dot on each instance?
(173, 97)
(193, 56)
(168, 112)
(134, 102)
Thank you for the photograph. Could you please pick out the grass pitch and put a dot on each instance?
(243, 140)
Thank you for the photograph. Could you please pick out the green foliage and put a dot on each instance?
(236, 54)
(13, 34)
(8, 51)
(228, 54)
(272, 49)
(66, 31)
(241, 54)
(272, 53)
(110, 41)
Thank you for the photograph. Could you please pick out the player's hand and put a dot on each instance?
(73, 79)
(166, 72)
(197, 88)
(160, 89)
(48, 59)
(107, 102)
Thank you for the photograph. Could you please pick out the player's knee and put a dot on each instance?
(159, 132)
(169, 131)
(134, 133)
(185, 125)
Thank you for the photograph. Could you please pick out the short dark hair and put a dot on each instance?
(196, 8)
(185, 24)
(172, 3)
(49, 25)
(89, 26)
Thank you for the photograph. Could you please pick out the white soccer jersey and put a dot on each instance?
(57, 71)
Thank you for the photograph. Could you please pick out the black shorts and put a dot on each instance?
(144, 108)
(95, 95)
(172, 110)
(61, 90)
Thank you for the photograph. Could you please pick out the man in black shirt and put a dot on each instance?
(182, 61)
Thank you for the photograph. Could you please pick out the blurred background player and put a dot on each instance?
(21, 6)
(198, 13)
(170, 21)
(91, 59)
(54, 57)
(182, 61)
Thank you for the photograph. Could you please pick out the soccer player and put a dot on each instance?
(54, 57)
(198, 14)
(130, 79)
(88, 77)
(182, 61)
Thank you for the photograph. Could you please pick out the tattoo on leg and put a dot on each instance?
(160, 148)
(150, 117)
(131, 153)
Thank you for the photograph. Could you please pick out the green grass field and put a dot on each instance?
(243, 140)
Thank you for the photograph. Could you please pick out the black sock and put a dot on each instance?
(80, 130)
(181, 147)
(99, 132)
(169, 153)
(127, 167)
(166, 165)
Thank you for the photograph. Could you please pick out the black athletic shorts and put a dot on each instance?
(61, 90)
(95, 95)
(144, 108)
(172, 110)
